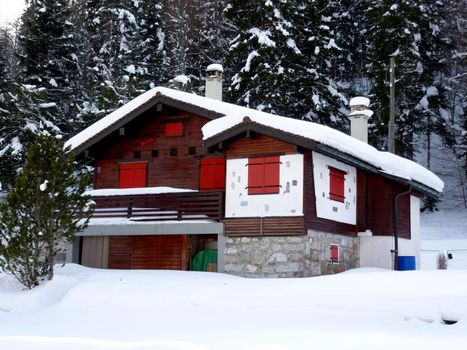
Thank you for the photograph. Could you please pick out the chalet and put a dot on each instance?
(189, 182)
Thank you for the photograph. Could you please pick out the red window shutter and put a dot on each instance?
(271, 174)
(212, 174)
(263, 175)
(334, 253)
(133, 175)
(255, 176)
(174, 129)
(337, 184)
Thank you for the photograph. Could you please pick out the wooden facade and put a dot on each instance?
(172, 161)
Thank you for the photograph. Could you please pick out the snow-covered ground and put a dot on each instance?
(86, 308)
(444, 231)
(94, 309)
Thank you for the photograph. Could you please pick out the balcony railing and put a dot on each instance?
(205, 205)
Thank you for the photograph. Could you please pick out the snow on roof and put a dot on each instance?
(215, 67)
(136, 191)
(359, 101)
(234, 114)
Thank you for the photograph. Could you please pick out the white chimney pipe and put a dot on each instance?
(214, 81)
(359, 115)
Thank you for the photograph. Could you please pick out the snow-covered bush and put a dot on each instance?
(442, 261)
(44, 210)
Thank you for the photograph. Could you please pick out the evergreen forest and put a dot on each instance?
(67, 63)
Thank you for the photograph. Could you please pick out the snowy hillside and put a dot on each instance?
(366, 309)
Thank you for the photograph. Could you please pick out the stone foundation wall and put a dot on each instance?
(289, 256)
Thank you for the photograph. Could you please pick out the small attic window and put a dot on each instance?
(173, 152)
(336, 184)
(174, 129)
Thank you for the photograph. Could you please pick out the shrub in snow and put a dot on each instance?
(442, 261)
(46, 207)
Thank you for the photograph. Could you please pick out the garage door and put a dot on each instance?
(165, 252)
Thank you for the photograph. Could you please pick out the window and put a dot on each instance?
(137, 154)
(334, 253)
(191, 150)
(173, 152)
(132, 175)
(155, 153)
(263, 175)
(212, 174)
(174, 129)
(336, 184)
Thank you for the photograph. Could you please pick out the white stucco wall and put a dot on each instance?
(288, 202)
(325, 207)
(375, 251)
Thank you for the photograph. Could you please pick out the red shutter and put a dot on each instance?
(334, 253)
(212, 174)
(174, 129)
(133, 175)
(271, 174)
(337, 184)
(255, 176)
(263, 175)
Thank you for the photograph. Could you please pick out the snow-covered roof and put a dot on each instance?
(136, 191)
(232, 115)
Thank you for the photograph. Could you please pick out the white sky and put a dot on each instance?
(10, 10)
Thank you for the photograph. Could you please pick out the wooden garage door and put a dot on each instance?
(166, 252)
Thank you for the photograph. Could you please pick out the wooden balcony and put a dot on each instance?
(181, 206)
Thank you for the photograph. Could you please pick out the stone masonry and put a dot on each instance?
(290, 256)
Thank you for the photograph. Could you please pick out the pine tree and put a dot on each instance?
(283, 57)
(262, 55)
(49, 60)
(317, 92)
(43, 212)
(410, 32)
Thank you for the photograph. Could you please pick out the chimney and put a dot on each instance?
(214, 81)
(359, 115)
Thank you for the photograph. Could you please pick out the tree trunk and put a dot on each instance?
(50, 262)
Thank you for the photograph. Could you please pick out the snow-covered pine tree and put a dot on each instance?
(43, 212)
(6, 158)
(284, 62)
(410, 32)
(49, 60)
(197, 34)
(317, 84)
(110, 27)
(145, 57)
(263, 56)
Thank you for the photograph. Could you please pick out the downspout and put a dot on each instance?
(395, 221)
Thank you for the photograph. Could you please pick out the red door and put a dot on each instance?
(133, 175)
